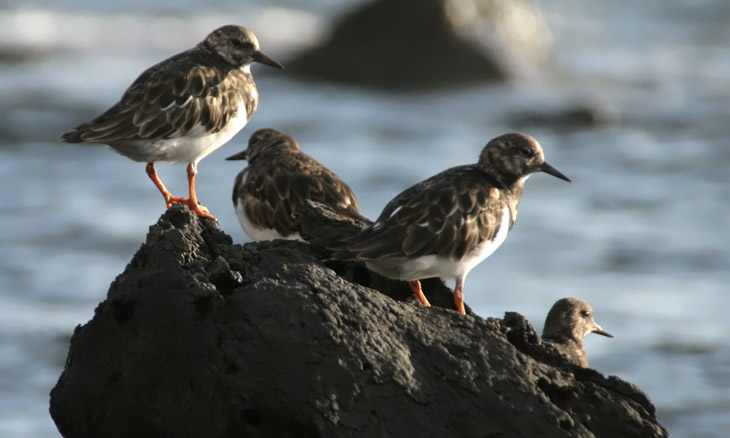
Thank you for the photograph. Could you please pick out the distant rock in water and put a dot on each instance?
(420, 44)
(200, 337)
(576, 114)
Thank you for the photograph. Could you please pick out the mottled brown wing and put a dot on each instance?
(273, 194)
(448, 214)
(168, 100)
(318, 183)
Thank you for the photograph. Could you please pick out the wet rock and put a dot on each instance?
(202, 337)
(573, 115)
(419, 44)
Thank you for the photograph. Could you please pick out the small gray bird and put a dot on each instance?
(447, 224)
(279, 178)
(567, 323)
(183, 108)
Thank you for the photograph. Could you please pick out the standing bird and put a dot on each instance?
(279, 178)
(447, 224)
(183, 108)
(567, 323)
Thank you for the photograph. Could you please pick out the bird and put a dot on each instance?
(567, 323)
(279, 178)
(447, 224)
(183, 108)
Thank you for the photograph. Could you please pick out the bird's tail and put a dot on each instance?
(72, 136)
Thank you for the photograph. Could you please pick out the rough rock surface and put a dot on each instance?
(199, 337)
(417, 44)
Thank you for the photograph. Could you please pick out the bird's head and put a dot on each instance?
(266, 141)
(572, 318)
(514, 157)
(238, 46)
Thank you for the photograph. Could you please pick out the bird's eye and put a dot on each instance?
(585, 313)
(239, 43)
(526, 152)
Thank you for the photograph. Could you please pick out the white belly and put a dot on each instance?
(190, 148)
(442, 267)
(257, 233)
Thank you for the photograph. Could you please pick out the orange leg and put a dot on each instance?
(459, 298)
(169, 199)
(416, 288)
(193, 200)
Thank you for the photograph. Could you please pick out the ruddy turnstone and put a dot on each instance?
(447, 224)
(278, 179)
(183, 108)
(567, 323)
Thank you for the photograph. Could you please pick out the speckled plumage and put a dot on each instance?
(183, 108)
(279, 178)
(567, 323)
(447, 224)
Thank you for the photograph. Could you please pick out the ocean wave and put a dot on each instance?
(42, 30)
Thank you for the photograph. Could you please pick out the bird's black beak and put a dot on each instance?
(239, 156)
(599, 331)
(260, 57)
(547, 168)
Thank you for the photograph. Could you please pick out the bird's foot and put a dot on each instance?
(459, 299)
(416, 289)
(172, 200)
(200, 210)
(192, 204)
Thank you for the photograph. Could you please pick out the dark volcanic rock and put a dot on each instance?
(417, 44)
(203, 338)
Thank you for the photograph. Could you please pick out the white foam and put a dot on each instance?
(42, 29)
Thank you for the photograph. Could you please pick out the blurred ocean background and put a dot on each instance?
(642, 233)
